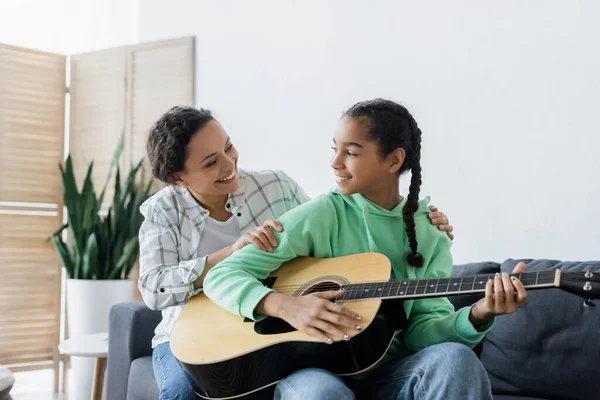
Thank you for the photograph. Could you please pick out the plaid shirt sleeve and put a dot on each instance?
(297, 194)
(164, 280)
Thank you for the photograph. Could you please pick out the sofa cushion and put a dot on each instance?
(551, 346)
(141, 384)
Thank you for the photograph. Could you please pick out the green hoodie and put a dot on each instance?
(334, 225)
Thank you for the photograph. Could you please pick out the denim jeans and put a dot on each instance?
(173, 382)
(440, 372)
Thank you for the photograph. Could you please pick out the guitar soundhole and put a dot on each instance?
(273, 326)
(322, 287)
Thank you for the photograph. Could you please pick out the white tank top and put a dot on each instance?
(217, 235)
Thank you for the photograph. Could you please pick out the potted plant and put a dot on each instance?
(100, 251)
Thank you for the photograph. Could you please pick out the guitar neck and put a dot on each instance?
(442, 287)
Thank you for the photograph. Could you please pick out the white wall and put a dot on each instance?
(68, 26)
(506, 94)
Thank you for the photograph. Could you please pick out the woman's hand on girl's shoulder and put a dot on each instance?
(439, 219)
(262, 237)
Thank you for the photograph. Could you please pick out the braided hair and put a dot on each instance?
(391, 126)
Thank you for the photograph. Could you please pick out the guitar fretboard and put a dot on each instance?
(437, 287)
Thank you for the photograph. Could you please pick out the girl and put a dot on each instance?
(374, 143)
(208, 211)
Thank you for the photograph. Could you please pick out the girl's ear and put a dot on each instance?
(395, 160)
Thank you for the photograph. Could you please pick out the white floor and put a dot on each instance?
(36, 385)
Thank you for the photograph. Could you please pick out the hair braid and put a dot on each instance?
(393, 127)
(414, 258)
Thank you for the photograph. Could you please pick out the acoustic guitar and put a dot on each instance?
(229, 356)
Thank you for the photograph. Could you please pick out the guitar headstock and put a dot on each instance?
(585, 284)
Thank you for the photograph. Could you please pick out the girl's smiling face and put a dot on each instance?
(358, 165)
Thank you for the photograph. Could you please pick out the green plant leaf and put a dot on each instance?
(101, 247)
(90, 258)
(129, 252)
(64, 254)
(58, 232)
(114, 162)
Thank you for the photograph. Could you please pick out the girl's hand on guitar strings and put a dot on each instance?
(503, 295)
(317, 316)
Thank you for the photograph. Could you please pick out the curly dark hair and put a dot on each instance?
(169, 137)
(391, 126)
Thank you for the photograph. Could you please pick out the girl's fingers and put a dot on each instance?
(521, 291)
(489, 295)
(498, 293)
(258, 243)
(328, 329)
(341, 316)
(319, 335)
(330, 294)
(509, 293)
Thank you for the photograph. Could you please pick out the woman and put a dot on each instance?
(209, 210)
(374, 144)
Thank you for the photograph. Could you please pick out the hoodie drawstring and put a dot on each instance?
(371, 241)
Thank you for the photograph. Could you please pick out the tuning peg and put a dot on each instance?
(589, 274)
(588, 303)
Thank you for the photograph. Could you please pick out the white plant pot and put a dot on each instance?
(88, 305)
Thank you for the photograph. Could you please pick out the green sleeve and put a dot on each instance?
(434, 321)
(234, 282)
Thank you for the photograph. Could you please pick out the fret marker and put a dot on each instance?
(366, 290)
(480, 282)
(401, 292)
(455, 284)
(379, 289)
(431, 285)
(404, 283)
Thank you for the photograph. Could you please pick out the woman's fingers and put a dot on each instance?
(266, 230)
(262, 238)
(438, 218)
(274, 224)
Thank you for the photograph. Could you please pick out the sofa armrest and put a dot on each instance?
(131, 328)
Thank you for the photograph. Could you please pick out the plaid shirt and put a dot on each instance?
(173, 227)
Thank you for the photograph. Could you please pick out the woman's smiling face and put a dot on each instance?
(211, 162)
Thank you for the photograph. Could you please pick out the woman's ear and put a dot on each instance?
(396, 160)
(180, 180)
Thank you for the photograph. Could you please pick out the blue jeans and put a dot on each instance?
(440, 372)
(173, 382)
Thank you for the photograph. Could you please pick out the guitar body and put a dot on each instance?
(229, 356)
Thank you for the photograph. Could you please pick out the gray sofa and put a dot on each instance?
(550, 349)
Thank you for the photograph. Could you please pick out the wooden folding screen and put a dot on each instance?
(112, 92)
(32, 102)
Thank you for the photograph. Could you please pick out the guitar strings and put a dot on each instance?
(530, 278)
